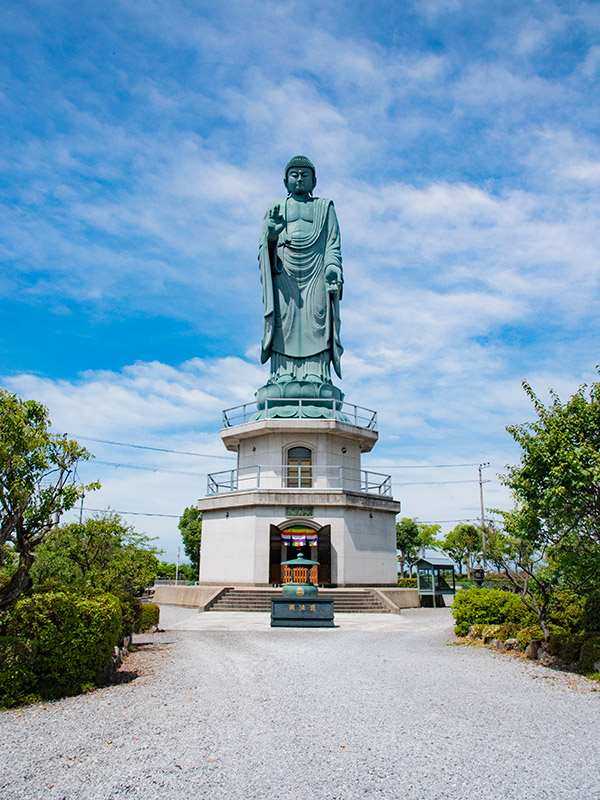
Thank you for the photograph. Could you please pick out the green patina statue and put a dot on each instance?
(301, 273)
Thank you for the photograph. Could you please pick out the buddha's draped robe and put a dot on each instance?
(301, 318)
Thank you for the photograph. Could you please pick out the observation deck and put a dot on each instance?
(334, 433)
(301, 408)
(312, 478)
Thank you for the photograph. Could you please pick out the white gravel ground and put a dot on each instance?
(377, 708)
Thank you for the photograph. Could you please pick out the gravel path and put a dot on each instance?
(349, 713)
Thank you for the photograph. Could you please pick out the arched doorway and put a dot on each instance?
(292, 538)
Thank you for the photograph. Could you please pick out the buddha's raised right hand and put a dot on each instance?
(275, 223)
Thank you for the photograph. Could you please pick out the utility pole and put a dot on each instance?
(177, 565)
(483, 542)
(59, 486)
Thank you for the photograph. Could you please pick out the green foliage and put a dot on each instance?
(566, 610)
(407, 541)
(498, 546)
(131, 613)
(190, 525)
(72, 635)
(526, 634)
(488, 607)
(567, 646)
(462, 544)
(407, 583)
(428, 533)
(503, 631)
(149, 617)
(591, 614)
(411, 538)
(17, 678)
(37, 483)
(168, 571)
(555, 524)
(102, 552)
(590, 653)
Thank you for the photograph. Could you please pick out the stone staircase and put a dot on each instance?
(359, 601)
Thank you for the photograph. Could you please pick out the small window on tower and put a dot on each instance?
(299, 467)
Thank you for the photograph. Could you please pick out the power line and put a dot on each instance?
(440, 521)
(147, 447)
(131, 513)
(418, 466)
(149, 469)
(436, 483)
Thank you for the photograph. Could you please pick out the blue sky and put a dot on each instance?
(141, 142)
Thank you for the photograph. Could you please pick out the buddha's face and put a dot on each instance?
(300, 181)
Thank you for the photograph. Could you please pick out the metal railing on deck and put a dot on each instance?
(308, 408)
(298, 477)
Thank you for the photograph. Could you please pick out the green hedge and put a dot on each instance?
(71, 635)
(407, 583)
(131, 611)
(591, 613)
(17, 679)
(487, 607)
(590, 653)
(149, 616)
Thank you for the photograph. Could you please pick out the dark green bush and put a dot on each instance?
(407, 583)
(17, 678)
(72, 635)
(525, 635)
(506, 630)
(149, 617)
(591, 613)
(488, 607)
(131, 610)
(567, 646)
(590, 653)
(566, 610)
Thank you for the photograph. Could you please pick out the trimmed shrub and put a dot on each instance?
(567, 646)
(525, 635)
(131, 611)
(488, 607)
(72, 635)
(149, 617)
(407, 583)
(566, 610)
(591, 613)
(504, 631)
(17, 678)
(590, 653)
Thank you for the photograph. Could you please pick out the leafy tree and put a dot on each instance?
(190, 525)
(498, 545)
(428, 533)
(412, 538)
(169, 570)
(37, 484)
(102, 552)
(407, 540)
(555, 524)
(463, 544)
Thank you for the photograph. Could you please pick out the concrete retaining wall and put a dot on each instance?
(401, 598)
(200, 597)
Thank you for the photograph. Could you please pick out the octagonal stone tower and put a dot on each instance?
(298, 485)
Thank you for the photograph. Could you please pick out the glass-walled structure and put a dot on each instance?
(435, 578)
